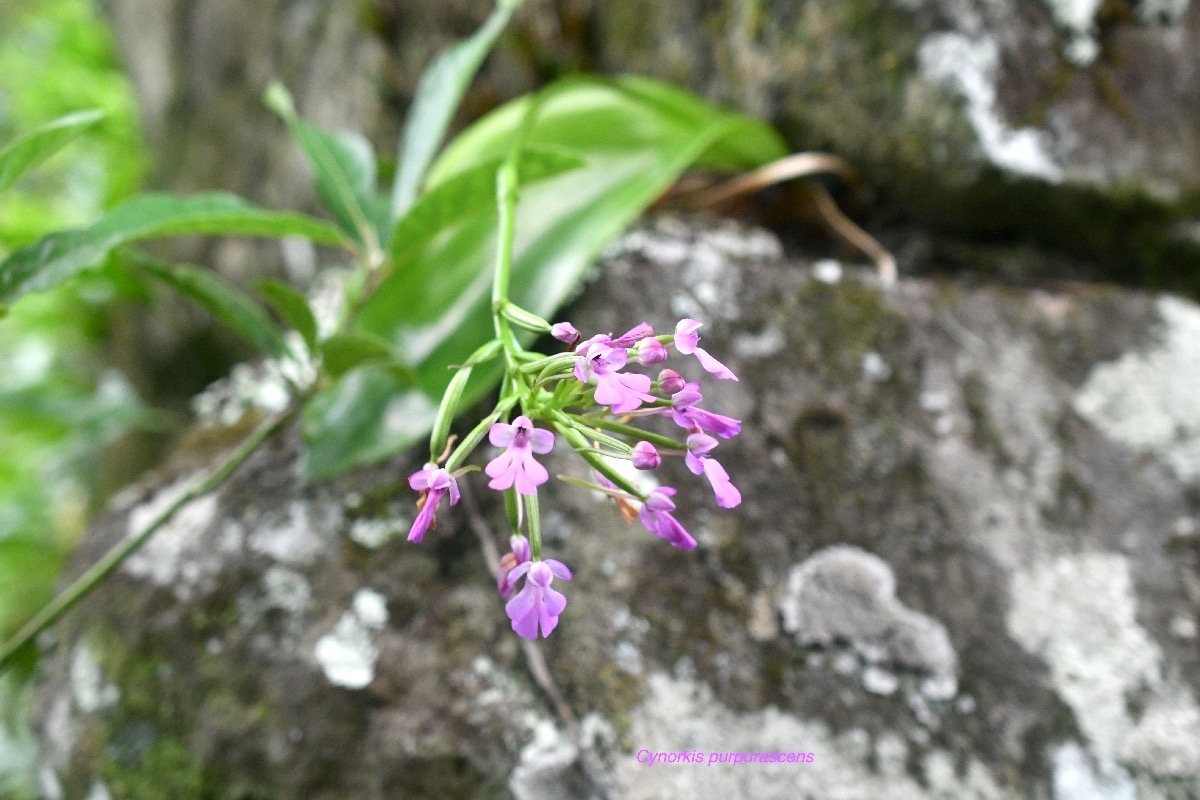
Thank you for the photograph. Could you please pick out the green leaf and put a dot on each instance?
(635, 137)
(345, 351)
(292, 307)
(223, 301)
(369, 414)
(344, 167)
(439, 93)
(59, 256)
(27, 151)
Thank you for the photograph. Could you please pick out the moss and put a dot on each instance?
(164, 769)
(140, 748)
(1121, 236)
(847, 320)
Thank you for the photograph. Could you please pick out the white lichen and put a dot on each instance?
(968, 67)
(348, 653)
(1077, 776)
(263, 386)
(286, 590)
(1077, 18)
(374, 532)
(173, 556)
(89, 690)
(297, 539)
(1079, 614)
(843, 595)
(1147, 400)
(874, 368)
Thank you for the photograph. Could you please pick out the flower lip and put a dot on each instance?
(516, 465)
(434, 483)
(537, 605)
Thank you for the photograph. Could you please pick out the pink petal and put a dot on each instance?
(501, 434)
(536, 472)
(727, 494)
(555, 601)
(558, 569)
(541, 441)
(715, 367)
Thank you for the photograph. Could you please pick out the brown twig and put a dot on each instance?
(804, 165)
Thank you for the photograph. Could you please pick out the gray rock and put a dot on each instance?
(962, 569)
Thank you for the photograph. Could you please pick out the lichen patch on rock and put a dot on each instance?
(1147, 400)
(348, 653)
(845, 596)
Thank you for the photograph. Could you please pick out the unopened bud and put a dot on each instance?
(670, 381)
(565, 332)
(645, 456)
(652, 351)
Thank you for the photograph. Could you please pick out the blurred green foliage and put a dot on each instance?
(58, 405)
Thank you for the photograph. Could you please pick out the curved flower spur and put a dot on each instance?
(587, 396)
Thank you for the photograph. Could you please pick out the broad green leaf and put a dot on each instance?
(369, 414)
(223, 301)
(59, 256)
(470, 192)
(343, 352)
(292, 307)
(634, 136)
(344, 167)
(439, 93)
(27, 151)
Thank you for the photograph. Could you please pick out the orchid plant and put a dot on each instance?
(415, 331)
(586, 397)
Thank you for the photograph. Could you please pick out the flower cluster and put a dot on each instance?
(588, 396)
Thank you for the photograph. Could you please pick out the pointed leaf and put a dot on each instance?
(58, 256)
(345, 351)
(220, 299)
(439, 93)
(344, 168)
(293, 307)
(27, 151)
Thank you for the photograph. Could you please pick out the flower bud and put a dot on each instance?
(670, 381)
(652, 351)
(565, 332)
(645, 456)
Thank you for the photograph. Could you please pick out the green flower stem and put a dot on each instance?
(534, 525)
(580, 443)
(468, 445)
(507, 194)
(655, 439)
(597, 436)
(506, 200)
(88, 581)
